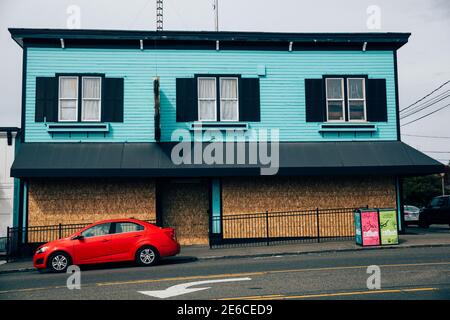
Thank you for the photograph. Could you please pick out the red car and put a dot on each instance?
(109, 241)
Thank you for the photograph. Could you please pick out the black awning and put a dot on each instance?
(154, 160)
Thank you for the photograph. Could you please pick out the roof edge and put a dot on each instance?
(394, 39)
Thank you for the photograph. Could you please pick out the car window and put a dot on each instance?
(122, 227)
(97, 230)
(438, 202)
(446, 201)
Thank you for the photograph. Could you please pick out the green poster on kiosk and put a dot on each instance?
(388, 226)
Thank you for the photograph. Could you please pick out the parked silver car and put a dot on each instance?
(411, 214)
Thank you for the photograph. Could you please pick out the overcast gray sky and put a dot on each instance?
(424, 63)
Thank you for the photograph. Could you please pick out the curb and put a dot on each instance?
(17, 270)
(295, 253)
(272, 254)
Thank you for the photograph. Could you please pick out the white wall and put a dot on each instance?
(6, 183)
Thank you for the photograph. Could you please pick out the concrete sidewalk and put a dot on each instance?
(415, 237)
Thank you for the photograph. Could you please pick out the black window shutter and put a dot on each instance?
(315, 107)
(376, 104)
(249, 99)
(187, 105)
(112, 100)
(46, 108)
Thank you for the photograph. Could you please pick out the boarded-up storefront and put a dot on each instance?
(70, 201)
(281, 195)
(184, 206)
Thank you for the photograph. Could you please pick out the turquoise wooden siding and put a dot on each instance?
(282, 88)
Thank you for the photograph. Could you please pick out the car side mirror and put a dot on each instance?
(78, 237)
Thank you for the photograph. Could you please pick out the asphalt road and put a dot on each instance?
(414, 273)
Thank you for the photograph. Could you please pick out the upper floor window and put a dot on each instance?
(346, 99)
(356, 99)
(91, 105)
(79, 98)
(222, 105)
(335, 99)
(68, 95)
(207, 99)
(229, 99)
(218, 98)
(68, 99)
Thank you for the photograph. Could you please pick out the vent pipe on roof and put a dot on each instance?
(216, 15)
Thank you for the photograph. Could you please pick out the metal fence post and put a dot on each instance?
(318, 225)
(7, 244)
(60, 231)
(267, 227)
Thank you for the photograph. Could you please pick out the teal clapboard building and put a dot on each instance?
(281, 82)
(103, 112)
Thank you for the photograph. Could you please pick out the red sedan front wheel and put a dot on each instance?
(58, 262)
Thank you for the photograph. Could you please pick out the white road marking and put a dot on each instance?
(183, 288)
(2, 262)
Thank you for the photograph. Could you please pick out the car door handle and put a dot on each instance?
(138, 235)
(105, 240)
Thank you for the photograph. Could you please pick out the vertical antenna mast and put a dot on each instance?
(216, 14)
(159, 15)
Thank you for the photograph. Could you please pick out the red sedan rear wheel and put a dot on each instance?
(147, 256)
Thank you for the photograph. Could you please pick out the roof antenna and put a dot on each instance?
(216, 14)
(159, 15)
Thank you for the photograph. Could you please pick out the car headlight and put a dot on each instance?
(42, 249)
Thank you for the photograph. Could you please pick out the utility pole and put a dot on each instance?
(443, 183)
(159, 15)
(216, 15)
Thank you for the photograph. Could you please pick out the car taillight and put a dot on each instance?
(171, 233)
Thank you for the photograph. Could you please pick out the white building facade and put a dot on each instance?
(8, 146)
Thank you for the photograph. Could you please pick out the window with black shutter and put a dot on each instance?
(79, 98)
(348, 98)
(218, 98)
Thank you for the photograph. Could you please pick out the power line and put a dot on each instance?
(437, 151)
(426, 115)
(138, 14)
(426, 104)
(421, 99)
(425, 136)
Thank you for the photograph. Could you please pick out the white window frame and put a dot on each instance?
(206, 99)
(70, 99)
(342, 99)
(229, 99)
(354, 99)
(97, 99)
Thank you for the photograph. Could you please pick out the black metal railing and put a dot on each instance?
(23, 241)
(265, 228)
